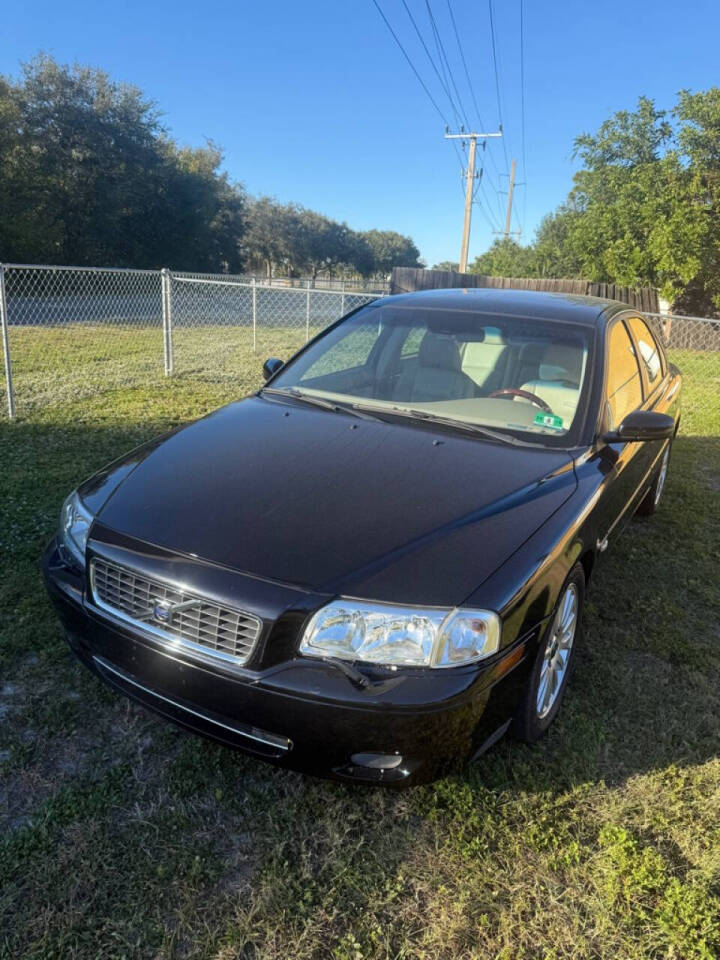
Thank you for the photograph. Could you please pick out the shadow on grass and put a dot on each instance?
(645, 691)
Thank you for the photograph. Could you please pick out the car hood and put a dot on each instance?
(326, 501)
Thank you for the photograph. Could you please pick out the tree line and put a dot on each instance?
(644, 208)
(90, 176)
(301, 242)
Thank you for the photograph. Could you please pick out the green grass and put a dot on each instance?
(123, 837)
(69, 362)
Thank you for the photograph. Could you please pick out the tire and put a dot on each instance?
(546, 687)
(651, 501)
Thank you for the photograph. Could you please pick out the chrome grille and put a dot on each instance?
(198, 624)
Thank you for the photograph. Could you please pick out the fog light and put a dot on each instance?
(377, 761)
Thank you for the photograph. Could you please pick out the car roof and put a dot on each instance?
(535, 304)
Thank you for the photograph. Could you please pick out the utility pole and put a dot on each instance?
(469, 177)
(510, 199)
(468, 206)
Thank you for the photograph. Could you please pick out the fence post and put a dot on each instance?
(167, 320)
(342, 301)
(254, 290)
(6, 346)
(307, 314)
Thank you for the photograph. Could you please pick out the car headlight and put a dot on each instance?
(75, 521)
(405, 636)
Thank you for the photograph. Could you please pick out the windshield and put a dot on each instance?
(505, 373)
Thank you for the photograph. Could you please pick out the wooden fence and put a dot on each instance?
(409, 279)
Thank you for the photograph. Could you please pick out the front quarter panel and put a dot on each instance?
(525, 588)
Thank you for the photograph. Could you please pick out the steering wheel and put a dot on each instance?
(525, 394)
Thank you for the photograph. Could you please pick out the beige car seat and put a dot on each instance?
(558, 380)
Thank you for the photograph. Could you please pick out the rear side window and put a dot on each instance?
(624, 389)
(650, 355)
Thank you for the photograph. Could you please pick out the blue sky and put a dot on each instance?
(313, 102)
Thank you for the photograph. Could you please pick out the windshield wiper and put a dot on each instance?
(299, 395)
(370, 413)
(311, 399)
(473, 428)
(458, 424)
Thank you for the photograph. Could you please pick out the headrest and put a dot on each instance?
(439, 350)
(562, 361)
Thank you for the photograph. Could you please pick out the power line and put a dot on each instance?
(490, 223)
(484, 210)
(497, 79)
(419, 78)
(437, 74)
(469, 80)
(464, 62)
(411, 64)
(442, 56)
(443, 83)
(481, 188)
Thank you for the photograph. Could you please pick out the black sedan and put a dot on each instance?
(376, 565)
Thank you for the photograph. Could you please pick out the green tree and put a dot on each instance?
(272, 238)
(326, 244)
(693, 235)
(644, 207)
(89, 176)
(626, 139)
(553, 252)
(390, 249)
(505, 258)
(295, 240)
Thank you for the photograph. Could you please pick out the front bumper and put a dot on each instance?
(297, 712)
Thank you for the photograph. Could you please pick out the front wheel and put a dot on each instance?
(651, 500)
(548, 680)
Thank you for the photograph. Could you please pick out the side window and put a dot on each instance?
(412, 342)
(352, 350)
(649, 351)
(624, 390)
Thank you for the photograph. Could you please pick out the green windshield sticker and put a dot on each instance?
(551, 420)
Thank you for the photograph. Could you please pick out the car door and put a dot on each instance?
(657, 391)
(627, 462)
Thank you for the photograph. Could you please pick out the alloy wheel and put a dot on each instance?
(557, 651)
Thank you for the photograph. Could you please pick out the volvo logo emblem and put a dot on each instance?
(162, 611)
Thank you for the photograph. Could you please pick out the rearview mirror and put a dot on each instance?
(271, 366)
(642, 425)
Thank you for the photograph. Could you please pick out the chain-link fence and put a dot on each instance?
(693, 344)
(216, 318)
(71, 332)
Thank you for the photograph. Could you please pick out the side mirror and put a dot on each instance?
(271, 366)
(643, 425)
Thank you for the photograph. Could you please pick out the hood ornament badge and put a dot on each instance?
(162, 611)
